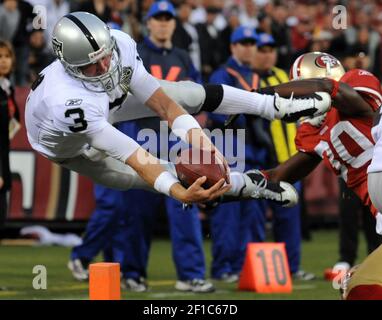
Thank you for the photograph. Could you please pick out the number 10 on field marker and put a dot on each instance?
(266, 269)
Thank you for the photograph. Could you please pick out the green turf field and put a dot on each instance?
(17, 262)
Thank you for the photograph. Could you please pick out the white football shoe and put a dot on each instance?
(195, 285)
(79, 269)
(258, 187)
(293, 108)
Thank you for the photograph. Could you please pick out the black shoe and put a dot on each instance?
(258, 187)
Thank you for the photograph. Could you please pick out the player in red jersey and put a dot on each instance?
(342, 138)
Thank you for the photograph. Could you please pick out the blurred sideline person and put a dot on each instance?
(280, 147)
(185, 35)
(99, 79)
(231, 228)
(165, 61)
(9, 123)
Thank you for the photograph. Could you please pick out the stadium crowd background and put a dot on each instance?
(298, 26)
(204, 28)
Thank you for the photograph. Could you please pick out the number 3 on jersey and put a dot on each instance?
(78, 116)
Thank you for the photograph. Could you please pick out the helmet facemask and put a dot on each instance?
(106, 82)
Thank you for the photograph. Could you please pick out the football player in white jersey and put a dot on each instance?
(374, 171)
(99, 79)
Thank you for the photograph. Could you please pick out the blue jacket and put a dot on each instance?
(242, 77)
(170, 64)
(236, 75)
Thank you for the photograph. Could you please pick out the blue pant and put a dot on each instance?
(102, 224)
(185, 231)
(233, 225)
(287, 228)
(187, 240)
(122, 226)
(106, 218)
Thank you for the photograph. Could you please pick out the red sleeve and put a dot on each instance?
(307, 138)
(366, 84)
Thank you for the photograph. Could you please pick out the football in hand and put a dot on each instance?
(192, 164)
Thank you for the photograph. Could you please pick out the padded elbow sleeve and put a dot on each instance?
(214, 97)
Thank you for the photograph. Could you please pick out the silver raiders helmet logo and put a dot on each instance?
(57, 48)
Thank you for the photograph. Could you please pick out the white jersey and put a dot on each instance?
(376, 162)
(63, 117)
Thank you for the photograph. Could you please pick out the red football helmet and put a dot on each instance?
(316, 65)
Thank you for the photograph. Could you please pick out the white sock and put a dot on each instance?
(237, 183)
(241, 101)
